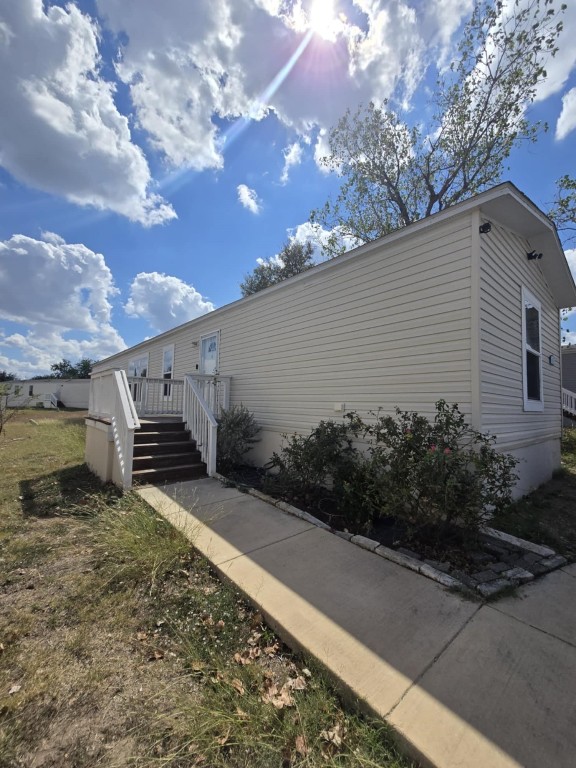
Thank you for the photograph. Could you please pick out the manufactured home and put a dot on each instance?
(463, 305)
(47, 393)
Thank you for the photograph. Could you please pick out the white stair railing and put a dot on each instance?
(569, 402)
(201, 422)
(157, 396)
(215, 390)
(111, 401)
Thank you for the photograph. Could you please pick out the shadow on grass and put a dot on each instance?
(66, 491)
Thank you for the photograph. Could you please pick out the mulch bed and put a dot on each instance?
(485, 563)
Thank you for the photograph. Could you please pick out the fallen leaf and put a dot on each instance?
(223, 739)
(271, 650)
(156, 655)
(279, 698)
(241, 714)
(141, 635)
(257, 620)
(297, 684)
(237, 685)
(254, 638)
(14, 689)
(301, 745)
(220, 624)
(334, 735)
(306, 672)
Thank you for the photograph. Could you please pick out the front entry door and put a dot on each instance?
(209, 354)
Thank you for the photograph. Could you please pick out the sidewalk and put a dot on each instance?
(465, 684)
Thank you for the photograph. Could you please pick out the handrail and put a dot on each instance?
(201, 422)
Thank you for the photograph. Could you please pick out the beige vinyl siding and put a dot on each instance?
(384, 328)
(504, 270)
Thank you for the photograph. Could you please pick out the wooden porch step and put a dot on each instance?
(155, 448)
(169, 474)
(161, 436)
(157, 460)
(168, 425)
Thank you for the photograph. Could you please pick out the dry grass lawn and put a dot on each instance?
(119, 647)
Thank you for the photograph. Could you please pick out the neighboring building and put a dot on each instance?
(463, 305)
(569, 368)
(47, 393)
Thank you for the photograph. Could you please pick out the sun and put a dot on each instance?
(322, 19)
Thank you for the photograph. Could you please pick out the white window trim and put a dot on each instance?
(529, 403)
(207, 336)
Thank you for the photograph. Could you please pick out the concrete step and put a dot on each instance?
(155, 461)
(169, 474)
(154, 448)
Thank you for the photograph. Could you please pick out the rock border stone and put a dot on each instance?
(491, 578)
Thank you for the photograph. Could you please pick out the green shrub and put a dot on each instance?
(237, 430)
(307, 466)
(431, 474)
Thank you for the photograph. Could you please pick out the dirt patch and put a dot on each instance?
(77, 686)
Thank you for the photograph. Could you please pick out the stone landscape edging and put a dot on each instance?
(425, 569)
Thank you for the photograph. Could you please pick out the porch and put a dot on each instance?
(124, 411)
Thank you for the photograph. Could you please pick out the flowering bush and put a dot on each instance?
(433, 473)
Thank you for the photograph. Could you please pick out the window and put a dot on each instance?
(31, 390)
(138, 369)
(532, 352)
(168, 367)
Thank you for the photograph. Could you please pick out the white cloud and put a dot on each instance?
(248, 198)
(164, 301)
(292, 156)
(189, 66)
(567, 120)
(61, 131)
(558, 69)
(320, 237)
(61, 293)
(322, 149)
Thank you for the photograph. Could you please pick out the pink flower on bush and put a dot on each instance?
(447, 451)
(432, 448)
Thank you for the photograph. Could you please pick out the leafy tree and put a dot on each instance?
(295, 257)
(5, 376)
(394, 174)
(66, 370)
(563, 211)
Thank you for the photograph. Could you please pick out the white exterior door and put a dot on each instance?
(209, 354)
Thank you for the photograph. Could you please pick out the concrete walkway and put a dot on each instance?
(465, 684)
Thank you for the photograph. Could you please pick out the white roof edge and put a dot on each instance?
(506, 188)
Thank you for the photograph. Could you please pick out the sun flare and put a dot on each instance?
(322, 18)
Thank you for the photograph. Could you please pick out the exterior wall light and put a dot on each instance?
(532, 255)
(485, 228)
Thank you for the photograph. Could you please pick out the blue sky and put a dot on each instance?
(151, 152)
